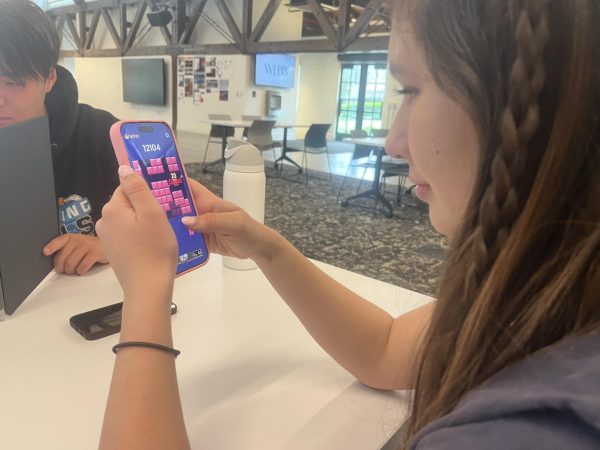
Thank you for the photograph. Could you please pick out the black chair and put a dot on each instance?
(216, 135)
(315, 143)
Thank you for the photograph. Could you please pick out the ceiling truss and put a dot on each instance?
(81, 21)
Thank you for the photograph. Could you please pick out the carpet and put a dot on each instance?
(403, 250)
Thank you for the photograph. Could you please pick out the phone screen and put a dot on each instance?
(152, 154)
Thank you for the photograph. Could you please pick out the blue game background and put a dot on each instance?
(161, 135)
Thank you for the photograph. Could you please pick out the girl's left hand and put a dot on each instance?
(136, 237)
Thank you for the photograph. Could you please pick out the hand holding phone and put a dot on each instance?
(149, 148)
(136, 238)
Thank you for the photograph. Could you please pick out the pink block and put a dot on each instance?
(191, 232)
(165, 207)
(165, 184)
(161, 169)
(175, 167)
(150, 170)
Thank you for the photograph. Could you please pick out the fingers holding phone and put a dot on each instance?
(227, 228)
(136, 235)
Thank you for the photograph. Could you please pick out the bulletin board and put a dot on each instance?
(199, 77)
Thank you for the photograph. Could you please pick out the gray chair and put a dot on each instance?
(315, 143)
(395, 169)
(217, 134)
(360, 158)
(249, 119)
(379, 132)
(219, 117)
(259, 135)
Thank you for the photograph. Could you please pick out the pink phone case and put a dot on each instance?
(123, 159)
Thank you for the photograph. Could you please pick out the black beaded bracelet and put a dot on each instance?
(163, 348)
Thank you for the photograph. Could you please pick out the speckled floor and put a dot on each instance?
(403, 250)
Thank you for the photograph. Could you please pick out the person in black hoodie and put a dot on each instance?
(85, 167)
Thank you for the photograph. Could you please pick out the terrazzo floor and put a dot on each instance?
(403, 250)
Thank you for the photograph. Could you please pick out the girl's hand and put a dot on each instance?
(136, 237)
(227, 228)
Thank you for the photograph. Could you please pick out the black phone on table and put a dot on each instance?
(101, 322)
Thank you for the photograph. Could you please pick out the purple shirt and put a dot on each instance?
(549, 401)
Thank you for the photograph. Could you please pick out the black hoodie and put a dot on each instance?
(85, 166)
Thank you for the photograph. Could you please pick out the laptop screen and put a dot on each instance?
(28, 212)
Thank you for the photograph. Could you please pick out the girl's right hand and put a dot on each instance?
(227, 228)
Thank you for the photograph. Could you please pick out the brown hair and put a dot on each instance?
(524, 269)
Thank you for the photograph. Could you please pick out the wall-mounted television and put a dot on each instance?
(275, 70)
(144, 81)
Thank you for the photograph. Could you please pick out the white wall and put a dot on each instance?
(100, 85)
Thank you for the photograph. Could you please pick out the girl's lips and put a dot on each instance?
(423, 191)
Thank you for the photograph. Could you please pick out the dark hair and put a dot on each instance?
(29, 42)
(524, 268)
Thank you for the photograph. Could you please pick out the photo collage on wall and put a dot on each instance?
(202, 76)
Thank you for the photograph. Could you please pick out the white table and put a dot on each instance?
(250, 375)
(248, 124)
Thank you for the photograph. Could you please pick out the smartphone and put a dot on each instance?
(150, 149)
(101, 322)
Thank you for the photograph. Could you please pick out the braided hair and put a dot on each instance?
(524, 270)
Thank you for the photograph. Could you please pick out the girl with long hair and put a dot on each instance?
(500, 125)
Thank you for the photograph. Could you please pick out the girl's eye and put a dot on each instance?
(406, 91)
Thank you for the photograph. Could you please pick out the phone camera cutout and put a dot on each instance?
(146, 129)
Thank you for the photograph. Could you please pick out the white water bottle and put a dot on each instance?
(244, 184)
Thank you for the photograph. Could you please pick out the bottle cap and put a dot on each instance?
(241, 156)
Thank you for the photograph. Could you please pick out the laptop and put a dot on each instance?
(28, 212)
